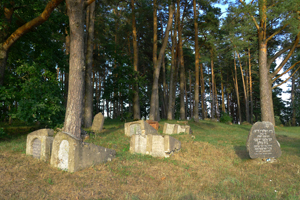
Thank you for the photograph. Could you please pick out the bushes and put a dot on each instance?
(225, 118)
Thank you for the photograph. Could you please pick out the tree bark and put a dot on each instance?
(196, 101)
(88, 99)
(212, 85)
(237, 91)
(73, 116)
(203, 103)
(136, 101)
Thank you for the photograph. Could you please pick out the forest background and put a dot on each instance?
(148, 59)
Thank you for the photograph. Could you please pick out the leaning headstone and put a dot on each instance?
(138, 127)
(176, 129)
(39, 144)
(71, 154)
(154, 145)
(261, 142)
(98, 122)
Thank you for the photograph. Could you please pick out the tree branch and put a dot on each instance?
(286, 79)
(276, 32)
(254, 20)
(288, 56)
(286, 71)
(33, 23)
(88, 2)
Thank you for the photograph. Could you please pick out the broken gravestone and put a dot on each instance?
(152, 123)
(39, 144)
(176, 129)
(71, 154)
(154, 145)
(138, 127)
(98, 122)
(261, 142)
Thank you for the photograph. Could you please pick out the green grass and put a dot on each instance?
(212, 165)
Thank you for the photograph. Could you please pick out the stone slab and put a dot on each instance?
(139, 127)
(71, 154)
(154, 124)
(176, 129)
(262, 142)
(98, 122)
(154, 145)
(39, 144)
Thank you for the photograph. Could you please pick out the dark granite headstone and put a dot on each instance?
(262, 142)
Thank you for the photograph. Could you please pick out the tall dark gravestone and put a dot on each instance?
(262, 142)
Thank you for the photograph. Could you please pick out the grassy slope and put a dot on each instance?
(213, 164)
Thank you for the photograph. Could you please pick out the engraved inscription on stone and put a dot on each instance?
(36, 148)
(135, 129)
(63, 155)
(158, 146)
(262, 142)
(140, 143)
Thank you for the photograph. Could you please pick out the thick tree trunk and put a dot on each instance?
(88, 98)
(73, 116)
(154, 95)
(136, 101)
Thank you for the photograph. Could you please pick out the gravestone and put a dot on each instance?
(39, 144)
(154, 145)
(98, 122)
(71, 154)
(176, 129)
(152, 123)
(261, 142)
(138, 127)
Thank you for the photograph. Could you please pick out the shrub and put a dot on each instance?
(225, 117)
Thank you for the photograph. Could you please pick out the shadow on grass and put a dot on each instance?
(241, 152)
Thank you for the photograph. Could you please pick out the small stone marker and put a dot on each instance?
(138, 127)
(154, 145)
(261, 142)
(71, 154)
(98, 122)
(39, 144)
(152, 123)
(176, 129)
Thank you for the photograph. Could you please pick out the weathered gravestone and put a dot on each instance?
(98, 122)
(176, 129)
(152, 123)
(71, 154)
(138, 127)
(154, 145)
(261, 142)
(39, 144)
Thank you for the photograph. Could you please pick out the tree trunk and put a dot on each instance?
(136, 101)
(88, 99)
(203, 103)
(3, 59)
(196, 106)
(237, 91)
(154, 94)
(212, 85)
(293, 102)
(222, 90)
(250, 88)
(73, 116)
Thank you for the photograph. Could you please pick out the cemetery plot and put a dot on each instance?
(261, 142)
(39, 144)
(71, 154)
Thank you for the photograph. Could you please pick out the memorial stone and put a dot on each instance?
(39, 144)
(138, 127)
(98, 122)
(176, 129)
(261, 142)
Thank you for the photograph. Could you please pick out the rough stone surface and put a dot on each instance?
(98, 122)
(154, 145)
(39, 144)
(138, 127)
(71, 154)
(261, 142)
(154, 124)
(176, 129)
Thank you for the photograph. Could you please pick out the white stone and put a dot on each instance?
(63, 155)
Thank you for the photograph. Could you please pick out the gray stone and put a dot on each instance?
(154, 145)
(138, 127)
(71, 154)
(39, 144)
(261, 142)
(176, 129)
(98, 122)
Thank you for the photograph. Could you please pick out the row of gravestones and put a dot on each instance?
(71, 154)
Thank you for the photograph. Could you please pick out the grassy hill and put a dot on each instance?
(213, 163)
